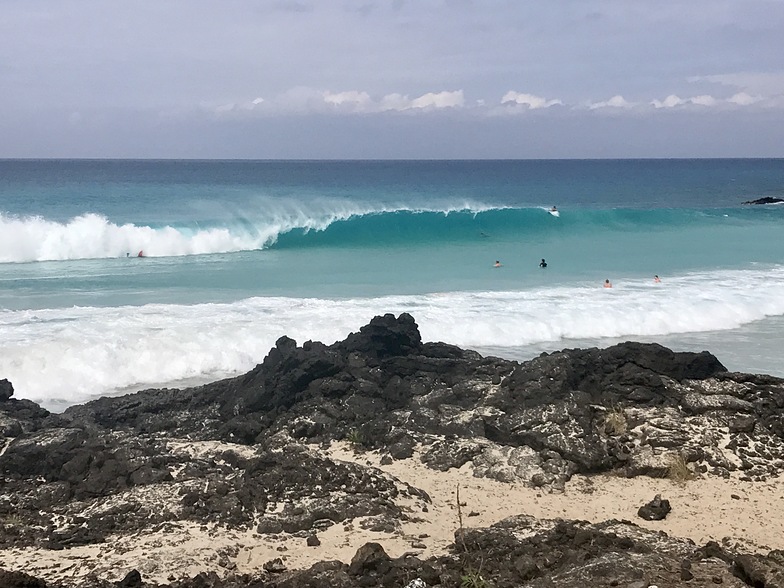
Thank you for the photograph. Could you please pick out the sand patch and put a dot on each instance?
(703, 510)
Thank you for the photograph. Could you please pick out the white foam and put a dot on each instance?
(93, 236)
(67, 355)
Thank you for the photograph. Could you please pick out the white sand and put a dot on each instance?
(703, 510)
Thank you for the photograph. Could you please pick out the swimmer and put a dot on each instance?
(656, 279)
(543, 263)
(497, 263)
(607, 284)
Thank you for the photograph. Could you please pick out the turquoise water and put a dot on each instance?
(238, 253)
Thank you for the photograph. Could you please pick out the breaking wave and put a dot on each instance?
(93, 236)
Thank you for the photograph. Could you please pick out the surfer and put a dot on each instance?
(553, 209)
(141, 253)
(656, 279)
(543, 263)
(607, 284)
(497, 263)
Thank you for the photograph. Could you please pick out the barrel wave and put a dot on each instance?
(94, 236)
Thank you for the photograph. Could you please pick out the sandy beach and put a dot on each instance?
(703, 509)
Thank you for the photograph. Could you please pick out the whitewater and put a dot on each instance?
(235, 255)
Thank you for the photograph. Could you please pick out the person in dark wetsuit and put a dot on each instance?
(543, 263)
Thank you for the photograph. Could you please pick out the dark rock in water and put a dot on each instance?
(6, 390)
(656, 510)
(765, 200)
(385, 336)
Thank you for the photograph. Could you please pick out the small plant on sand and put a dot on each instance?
(678, 470)
(615, 422)
(471, 576)
(356, 439)
(473, 579)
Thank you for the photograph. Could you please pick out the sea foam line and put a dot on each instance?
(69, 355)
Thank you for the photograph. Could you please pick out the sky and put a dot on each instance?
(378, 79)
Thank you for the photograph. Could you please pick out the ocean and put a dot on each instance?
(235, 254)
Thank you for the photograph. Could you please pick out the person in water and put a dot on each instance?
(543, 263)
(656, 279)
(553, 209)
(607, 284)
(497, 263)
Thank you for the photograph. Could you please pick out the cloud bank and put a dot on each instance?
(303, 100)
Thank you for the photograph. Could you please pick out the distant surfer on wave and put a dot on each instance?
(656, 279)
(141, 253)
(553, 209)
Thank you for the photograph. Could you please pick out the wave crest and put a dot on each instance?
(322, 224)
(94, 236)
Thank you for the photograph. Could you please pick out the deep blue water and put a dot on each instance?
(238, 253)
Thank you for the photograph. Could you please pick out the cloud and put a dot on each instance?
(439, 100)
(362, 102)
(430, 100)
(303, 100)
(670, 101)
(673, 101)
(743, 99)
(352, 98)
(616, 101)
(703, 100)
(531, 101)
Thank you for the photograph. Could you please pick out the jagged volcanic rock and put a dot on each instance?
(243, 454)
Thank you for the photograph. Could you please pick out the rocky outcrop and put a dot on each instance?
(765, 200)
(245, 454)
